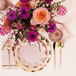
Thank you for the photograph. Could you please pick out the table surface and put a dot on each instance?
(69, 51)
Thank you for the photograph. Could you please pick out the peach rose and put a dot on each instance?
(41, 16)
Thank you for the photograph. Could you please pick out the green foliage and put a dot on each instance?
(30, 12)
(16, 36)
(25, 35)
(46, 27)
(42, 38)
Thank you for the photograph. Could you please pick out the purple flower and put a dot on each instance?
(52, 28)
(48, 1)
(24, 12)
(23, 1)
(32, 36)
(12, 15)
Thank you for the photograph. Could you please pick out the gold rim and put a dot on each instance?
(37, 65)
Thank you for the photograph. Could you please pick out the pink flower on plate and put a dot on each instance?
(62, 10)
(41, 15)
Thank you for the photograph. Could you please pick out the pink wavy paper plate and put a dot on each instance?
(30, 58)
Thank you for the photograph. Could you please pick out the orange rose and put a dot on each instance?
(6, 25)
(41, 15)
(6, 21)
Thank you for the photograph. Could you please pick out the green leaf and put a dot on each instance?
(16, 36)
(12, 22)
(30, 12)
(25, 35)
(24, 23)
(14, 28)
(10, 9)
(46, 27)
(42, 38)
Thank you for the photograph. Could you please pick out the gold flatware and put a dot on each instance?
(8, 48)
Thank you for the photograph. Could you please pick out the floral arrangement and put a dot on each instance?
(29, 17)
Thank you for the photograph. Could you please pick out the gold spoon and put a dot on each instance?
(60, 45)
